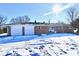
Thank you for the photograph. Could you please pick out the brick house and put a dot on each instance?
(41, 29)
(60, 28)
(29, 28)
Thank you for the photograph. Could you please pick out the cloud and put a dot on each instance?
(63, 8)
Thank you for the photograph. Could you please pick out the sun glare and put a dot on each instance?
(56, 9)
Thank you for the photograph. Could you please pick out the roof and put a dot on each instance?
(39, 24)
(32, 23)
(59, 24)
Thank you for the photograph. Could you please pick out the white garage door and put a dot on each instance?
(16, 30)
(29, 29)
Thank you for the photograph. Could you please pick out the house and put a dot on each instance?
(28, 28)
(60, 28)
(31, 28)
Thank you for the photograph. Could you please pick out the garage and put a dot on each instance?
(27, 29)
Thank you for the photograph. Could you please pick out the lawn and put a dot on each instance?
(45, 45)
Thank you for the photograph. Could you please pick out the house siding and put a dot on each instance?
(41, 29)
(62, 29)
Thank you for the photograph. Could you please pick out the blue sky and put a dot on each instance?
(36, 11)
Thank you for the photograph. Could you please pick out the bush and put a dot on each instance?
(4, 30)
(1, 31)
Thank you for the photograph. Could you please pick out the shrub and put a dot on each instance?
(1, 31)
(4, 30)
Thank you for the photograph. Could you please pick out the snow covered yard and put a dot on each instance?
(43, 46)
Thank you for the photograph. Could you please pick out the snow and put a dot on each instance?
(45, 45)
(16, 39)
(3, 34)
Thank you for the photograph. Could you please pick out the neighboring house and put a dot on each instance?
(27, 28)
(60, 27)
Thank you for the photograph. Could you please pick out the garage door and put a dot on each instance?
(29, 29)
(16, 30)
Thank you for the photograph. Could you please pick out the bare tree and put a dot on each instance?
(72, 15)
(20, 19)
(3, 20)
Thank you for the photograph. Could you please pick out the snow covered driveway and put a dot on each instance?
(50, 46)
